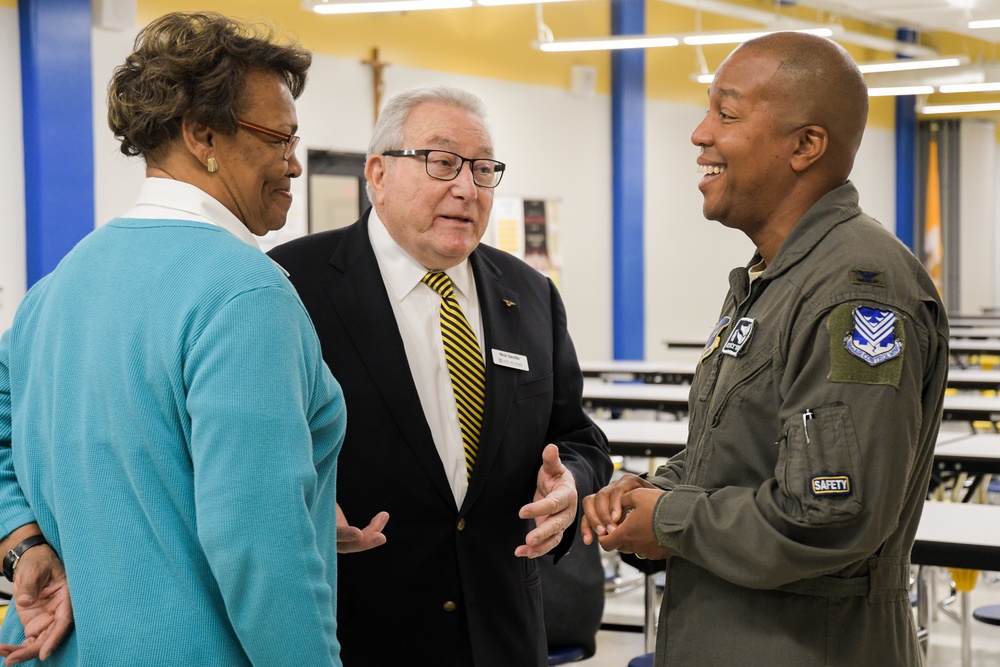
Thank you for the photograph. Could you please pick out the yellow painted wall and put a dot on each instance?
(491, 42)
(496, 42)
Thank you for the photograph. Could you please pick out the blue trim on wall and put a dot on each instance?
(906, 157)
(58, 129)
(628, 138)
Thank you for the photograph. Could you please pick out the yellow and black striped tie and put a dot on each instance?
(465, 365)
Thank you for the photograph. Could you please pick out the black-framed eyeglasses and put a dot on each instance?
(288, 141)
(445, 166)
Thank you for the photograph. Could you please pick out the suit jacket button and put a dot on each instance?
(461, 524)
(450, 606)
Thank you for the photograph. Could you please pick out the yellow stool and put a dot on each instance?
(965, 581)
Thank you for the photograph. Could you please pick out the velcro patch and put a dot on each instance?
(872, 277)
(715, 337)
(740, 337)
(830, 485)
(867, 345)
(873, 338)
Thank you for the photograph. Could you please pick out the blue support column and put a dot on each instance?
(906, 157)
(58, 129)
(628, 137)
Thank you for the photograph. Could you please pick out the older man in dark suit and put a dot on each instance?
(463, 395)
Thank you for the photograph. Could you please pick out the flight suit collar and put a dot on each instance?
(833, 208)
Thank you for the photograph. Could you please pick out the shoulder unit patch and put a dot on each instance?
(866, 344)
(873, 338)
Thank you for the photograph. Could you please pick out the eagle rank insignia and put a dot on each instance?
(874, 338)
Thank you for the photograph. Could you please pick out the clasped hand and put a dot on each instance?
(621, 517)
(41, 595)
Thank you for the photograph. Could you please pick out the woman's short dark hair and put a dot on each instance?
(193, 63)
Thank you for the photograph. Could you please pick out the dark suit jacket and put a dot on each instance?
(446, 585)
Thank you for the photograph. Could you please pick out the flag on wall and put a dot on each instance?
(933, 241)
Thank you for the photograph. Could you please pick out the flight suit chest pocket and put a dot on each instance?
(819, 465)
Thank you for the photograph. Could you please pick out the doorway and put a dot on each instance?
(337, 196)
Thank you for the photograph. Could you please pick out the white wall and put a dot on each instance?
(996, 229)
(13, 269)
(687, 258)
(874, 175)
(116, 177)
(977, 213)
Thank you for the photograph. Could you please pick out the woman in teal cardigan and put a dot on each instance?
(168, 429)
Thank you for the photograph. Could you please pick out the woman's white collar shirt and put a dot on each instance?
(167, 199)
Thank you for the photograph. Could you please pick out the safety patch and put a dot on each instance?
(714, 338)
(846, 365)
(872, 277)
(830, 485)
(873, 338)
(739, 339)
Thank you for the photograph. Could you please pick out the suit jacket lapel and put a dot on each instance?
(358, 294)
(501, 331)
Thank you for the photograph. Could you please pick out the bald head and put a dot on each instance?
(816, 82)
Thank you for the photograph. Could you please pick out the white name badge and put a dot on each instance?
(510, 360)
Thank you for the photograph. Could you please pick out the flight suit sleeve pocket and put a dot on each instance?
(819, 465)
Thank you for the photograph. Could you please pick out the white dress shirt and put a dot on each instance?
(167, 199)
(416, 307)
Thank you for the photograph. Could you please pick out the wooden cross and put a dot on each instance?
(377, 82)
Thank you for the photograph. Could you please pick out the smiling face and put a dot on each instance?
(254, 180)
(745, 142)
(438, 223)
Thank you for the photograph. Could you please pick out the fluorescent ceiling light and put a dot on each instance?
(730, 37)
(961, 108)
(607, 43)
(969, 87)
(497, 3)
(765, 17)
(361, 7)
(900, 90)
(653, 41)
(705, 78)
(989, 23)
(904, 64)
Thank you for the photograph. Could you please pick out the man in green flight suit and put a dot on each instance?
(789, 518)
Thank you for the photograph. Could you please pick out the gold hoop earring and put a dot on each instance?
(213, 166)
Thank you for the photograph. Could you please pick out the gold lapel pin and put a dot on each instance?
(509, 303)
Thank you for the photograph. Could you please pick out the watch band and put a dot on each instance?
(12, 557)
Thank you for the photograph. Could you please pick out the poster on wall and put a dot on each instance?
(536, 252)
(541, 246)
(529, 229)
(506, 228)
(552, 239)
